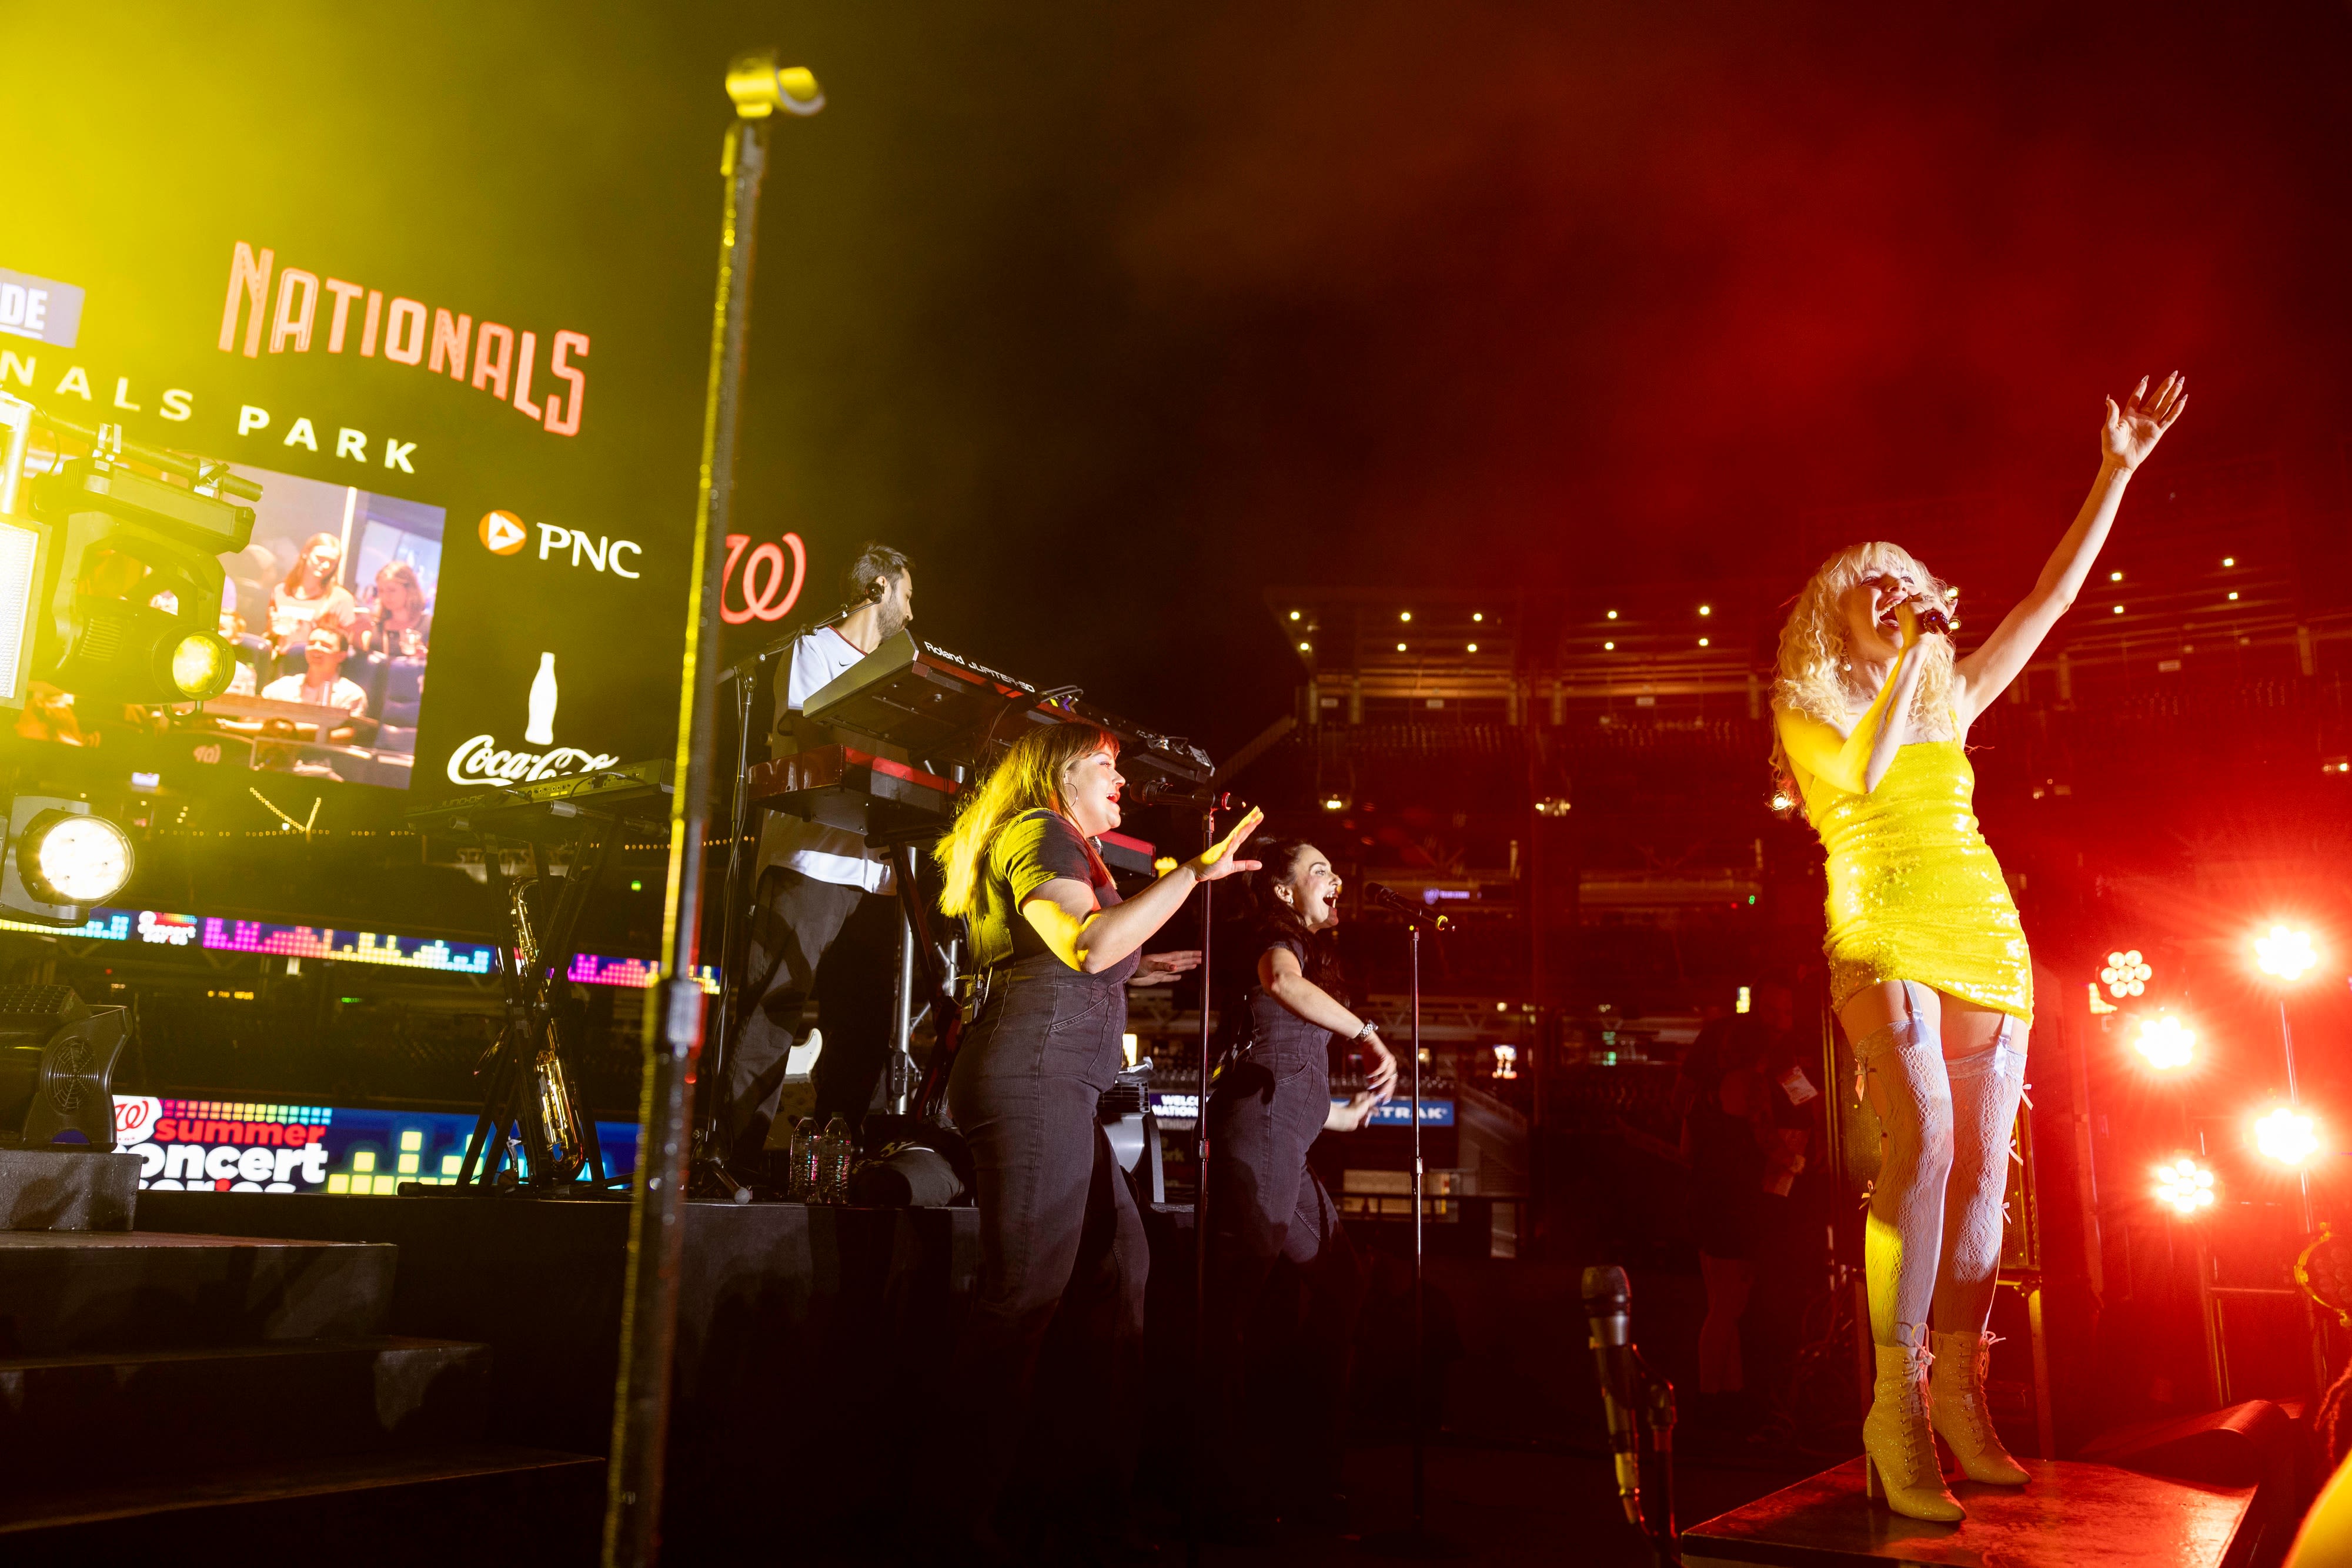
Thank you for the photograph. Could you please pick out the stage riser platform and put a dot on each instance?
(66, 1189)
(160, 1414)
(787, 1315)
(2068, 1515)
(61, 1293)
(469, 1508)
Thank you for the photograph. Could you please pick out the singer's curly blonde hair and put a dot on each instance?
(1815, 669)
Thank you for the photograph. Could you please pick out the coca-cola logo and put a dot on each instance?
(480, 761)
(764, 592)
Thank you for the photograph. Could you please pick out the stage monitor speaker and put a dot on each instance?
(57, 1067)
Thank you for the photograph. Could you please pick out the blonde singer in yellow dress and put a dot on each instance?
(1928, 968)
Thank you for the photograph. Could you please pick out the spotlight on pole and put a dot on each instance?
(2286, 1136)
(2185, 1184)
(2126, 974)
(2286, 954)
(2166, 1043)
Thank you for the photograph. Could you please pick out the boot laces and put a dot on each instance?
(1969, 1393)
(1918, 1432)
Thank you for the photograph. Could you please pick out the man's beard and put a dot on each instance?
(891, 620)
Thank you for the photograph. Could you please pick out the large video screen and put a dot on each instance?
(475, 439)
(330, 612)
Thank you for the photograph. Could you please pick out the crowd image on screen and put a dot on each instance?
(331, 608)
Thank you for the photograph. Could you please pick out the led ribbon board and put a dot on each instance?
(219, 935)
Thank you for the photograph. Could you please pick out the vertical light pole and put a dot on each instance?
(2287, 955)
(674, 1006)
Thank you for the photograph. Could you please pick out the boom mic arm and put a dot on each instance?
(1397, 904)
(1150, 794)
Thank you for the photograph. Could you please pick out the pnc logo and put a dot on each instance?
(503, 533)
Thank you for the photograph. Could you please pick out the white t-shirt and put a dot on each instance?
(819, 853)
(345, 693)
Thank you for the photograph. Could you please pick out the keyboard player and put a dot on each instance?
(824, 920)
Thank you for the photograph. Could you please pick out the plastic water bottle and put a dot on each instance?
(833, 1163)
(799, 1179)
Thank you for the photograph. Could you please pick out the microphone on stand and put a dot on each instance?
(1148, 794)
(1609, 1309)
(1397, 904)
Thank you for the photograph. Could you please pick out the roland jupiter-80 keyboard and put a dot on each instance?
(952, 710)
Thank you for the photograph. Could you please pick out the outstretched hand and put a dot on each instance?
(1160, 969)
(2132, 431)
(1217, 861)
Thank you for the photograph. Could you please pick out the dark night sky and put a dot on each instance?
(1112, 313)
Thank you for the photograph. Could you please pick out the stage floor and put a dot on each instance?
(2068, 1515)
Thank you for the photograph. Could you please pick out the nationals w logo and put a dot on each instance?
(766, 595)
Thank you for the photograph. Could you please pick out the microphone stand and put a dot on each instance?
(1416, 1541)
(1194, 1514)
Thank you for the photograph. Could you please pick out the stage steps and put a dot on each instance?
(158, 1391)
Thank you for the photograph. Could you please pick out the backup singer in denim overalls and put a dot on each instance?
(1059, 1231)
(1281, 1356)
(1928, 968)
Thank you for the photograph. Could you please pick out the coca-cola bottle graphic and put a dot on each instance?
(541, 729)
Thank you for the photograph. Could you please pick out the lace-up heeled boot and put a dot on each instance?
(1899, 1463)
(1955, 1404)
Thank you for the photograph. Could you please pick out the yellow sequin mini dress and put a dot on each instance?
(1914, 891)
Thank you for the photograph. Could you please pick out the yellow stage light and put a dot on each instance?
(2187, 1186)
(2285, 954)
(2166, 1043)
(2126, 974)
(2286, 1136)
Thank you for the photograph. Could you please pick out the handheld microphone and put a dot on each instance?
(1936, 621)
(1151, 794)
(1609, 1309)
(1397, 904)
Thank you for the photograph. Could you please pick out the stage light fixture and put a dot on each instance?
(1404, 615)
(1781, 800)
(2119, 610)
(2126, 974)
(1707, 610)
(1472, 648)
(1612, 615)
(2166, 1042)
(1608, 647)
(2234, 595)
(1293, 615)
(1477, 615)
(2187, 1186)
(60, 860)
(1335, 803)
(1702, 641)
(127, 577)
(2114, 577)
(1306, 648)
(2228, 560)
(2286, 954)
(1399, 647)
(2286, 1136)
